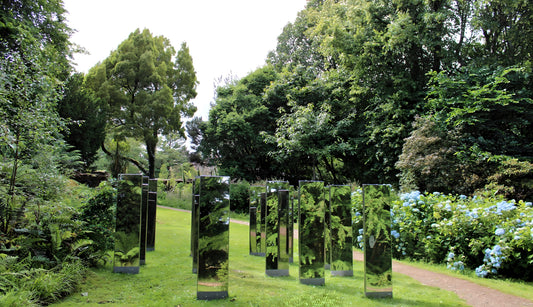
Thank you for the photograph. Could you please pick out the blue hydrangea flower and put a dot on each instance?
(499, 232)
(395, 234)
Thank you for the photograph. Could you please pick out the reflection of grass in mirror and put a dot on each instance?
(167, 280)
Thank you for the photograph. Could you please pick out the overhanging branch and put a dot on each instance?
(135, 162)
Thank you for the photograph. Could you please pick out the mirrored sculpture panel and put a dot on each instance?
(195, 211)
(283, 234)
(152, 209)
(255, 201)
(311, 232)
(293, 219)
(262, 220)
(377, 200)
(272, 226)
(144, 219)
(253, 231)
(341, 230)
(357, 219)
(213, 238)
(327, 230)
(128, 224)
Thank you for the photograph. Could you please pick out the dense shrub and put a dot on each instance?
(23, 285)
(239, 195)
(98, 215)
(486, 233)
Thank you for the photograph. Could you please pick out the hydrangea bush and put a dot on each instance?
(488, 234)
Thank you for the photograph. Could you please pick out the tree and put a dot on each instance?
(86, 119)
(232, 138)
(34, 54)
(146, 91)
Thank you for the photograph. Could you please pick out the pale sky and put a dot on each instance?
(224, 36)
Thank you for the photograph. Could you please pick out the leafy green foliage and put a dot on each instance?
(98, 213)
(341, 228)
(147, 88)
(239, 195)
(355, 79)
(36, 286)
(485, 232)
(479, 127)
(311, 229)
(232, 136)
(85, 114)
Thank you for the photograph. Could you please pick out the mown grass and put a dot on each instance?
(167, 279)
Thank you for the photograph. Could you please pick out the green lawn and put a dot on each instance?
(167, 279)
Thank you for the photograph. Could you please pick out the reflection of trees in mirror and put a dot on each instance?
(377, 225)
(377, 212)
(129, 205)
(341, 229)
(311, 229)
(213, 241)
(272, 231)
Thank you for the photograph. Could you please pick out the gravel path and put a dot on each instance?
(474, 294)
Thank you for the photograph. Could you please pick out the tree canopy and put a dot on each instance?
(356, 80)
(148, 88)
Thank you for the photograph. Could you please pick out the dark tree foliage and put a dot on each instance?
(353, 76)
(86, 118)
(232, 137)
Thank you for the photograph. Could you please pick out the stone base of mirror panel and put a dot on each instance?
(341, 273)
(150, 249)
(379, 294)
(313, 281)
(275, 273)
(126, 269)
(194, 271)
(327, 266)
(142, 262)
(257, 254)
(215, 295)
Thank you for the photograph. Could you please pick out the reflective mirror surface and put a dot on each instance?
(293, 219)
(311, 232)
(283, 238)
(377, 201)
(152, 209)
(253, 231)
(195, 211)
(272, 226)
(255, 201)
(341, 230)
(128, 224)
(213, 238)
(262, 221)
(327, 230)
(144, 219)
